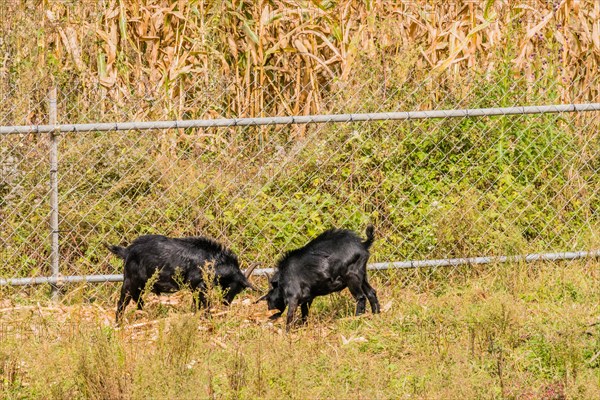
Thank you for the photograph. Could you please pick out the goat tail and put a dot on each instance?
(119, 251)
(370, 237)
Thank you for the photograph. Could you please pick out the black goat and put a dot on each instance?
(334, 260)
(177, 260)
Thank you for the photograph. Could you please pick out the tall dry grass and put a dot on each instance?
(180, 59)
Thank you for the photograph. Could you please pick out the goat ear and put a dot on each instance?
(273, 279)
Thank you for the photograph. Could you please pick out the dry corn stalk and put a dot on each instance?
(256, 58)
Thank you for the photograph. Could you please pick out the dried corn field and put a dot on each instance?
(205, 59)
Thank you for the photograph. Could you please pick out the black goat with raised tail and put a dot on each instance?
(334, 260)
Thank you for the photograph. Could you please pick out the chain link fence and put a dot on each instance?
(441, 188)
(462, 184)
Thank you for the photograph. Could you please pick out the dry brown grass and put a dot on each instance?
(512, 331)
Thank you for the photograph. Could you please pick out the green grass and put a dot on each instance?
(508, 331)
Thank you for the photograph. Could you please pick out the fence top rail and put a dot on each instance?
(308, 119)
(445, 262)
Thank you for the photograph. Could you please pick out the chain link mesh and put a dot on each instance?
(439, 188)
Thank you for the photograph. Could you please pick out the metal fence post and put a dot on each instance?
(53, 189)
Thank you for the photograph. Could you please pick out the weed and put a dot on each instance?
(102, 369)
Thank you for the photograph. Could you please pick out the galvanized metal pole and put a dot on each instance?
(301, 119)
(445, 262)
(54, 244)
